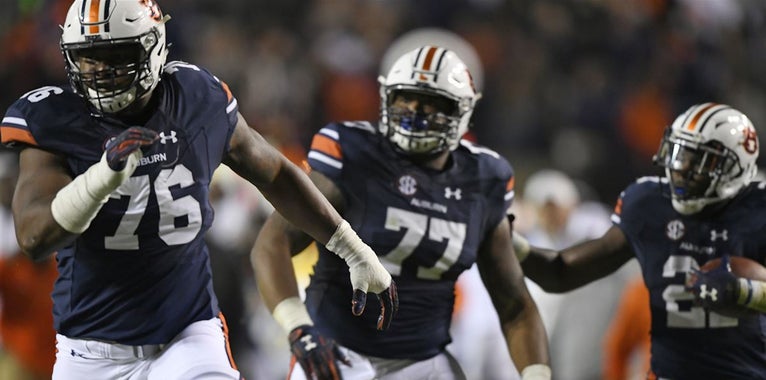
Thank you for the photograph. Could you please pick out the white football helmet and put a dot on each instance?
(709, 154)
(434, 71)
(125, 42)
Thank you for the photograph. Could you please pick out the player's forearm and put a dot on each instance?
(272, 264)
(546, 268)
(528, 343)
(37, 232)
(275, 275)
(752, 294)
(300, 202)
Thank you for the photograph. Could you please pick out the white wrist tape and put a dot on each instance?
(367, 273)
(752, 293)
(520, 246)
(77, 203)
(536, 372)
(291, 313)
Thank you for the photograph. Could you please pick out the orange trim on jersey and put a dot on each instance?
(618, 207)
(226, 339)
(697, 117)
(9, 134)
(225, 86)
(93, 15)
(290, 369)
(510, 184)
(327, 146)
(427, 62)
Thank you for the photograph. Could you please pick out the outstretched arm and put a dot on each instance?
(570, 268)
(277, 241)
(519, 317)
(283, 183)
(298, 200)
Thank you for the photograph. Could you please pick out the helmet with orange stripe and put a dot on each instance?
(114, 50)
(709, 154)
(427, 99)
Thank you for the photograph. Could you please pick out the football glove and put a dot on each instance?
(389, 304)
(716, 289)
(317, 355)
(130, 141)
(367, 274)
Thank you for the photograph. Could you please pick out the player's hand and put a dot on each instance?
(367, 274)
(715, 289)
(130, 141)
(317, 355)
(389, 303)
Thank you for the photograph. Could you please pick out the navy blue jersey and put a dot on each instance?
(687, 341)
(141, 272)
(426, 226)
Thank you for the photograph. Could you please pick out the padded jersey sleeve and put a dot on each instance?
(196, 94)
(199, 103)
(629, 207)
(26, 116)
(326, 154)
(54, 119)
(497, 176)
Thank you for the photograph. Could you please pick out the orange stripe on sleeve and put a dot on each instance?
(225, 86)
(93, 15)
(327, 146)
(510, 184)
(9, 134)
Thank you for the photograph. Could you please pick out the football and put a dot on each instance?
(740, 267)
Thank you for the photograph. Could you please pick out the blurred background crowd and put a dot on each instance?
(582, 86)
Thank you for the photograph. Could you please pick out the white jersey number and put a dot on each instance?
(138, 189)
(696, 317)
(417, 227)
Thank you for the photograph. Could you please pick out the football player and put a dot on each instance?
(431, 205)
(705, 207)
(114, 175)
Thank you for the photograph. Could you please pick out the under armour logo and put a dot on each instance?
(712, 294)
(172, 137)
(308, 343)
(723, 235)
(449, 193)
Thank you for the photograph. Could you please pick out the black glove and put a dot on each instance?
(389, 305)
(119, 148)
(317, 355)
(716, 289)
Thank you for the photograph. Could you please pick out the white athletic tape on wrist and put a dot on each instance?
(520, 246)
(77, 203)
(291, 313)
(362, 261)
(752, 293)
(536, 372)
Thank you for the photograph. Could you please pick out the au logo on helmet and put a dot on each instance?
(154, 9)
(751, 141)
